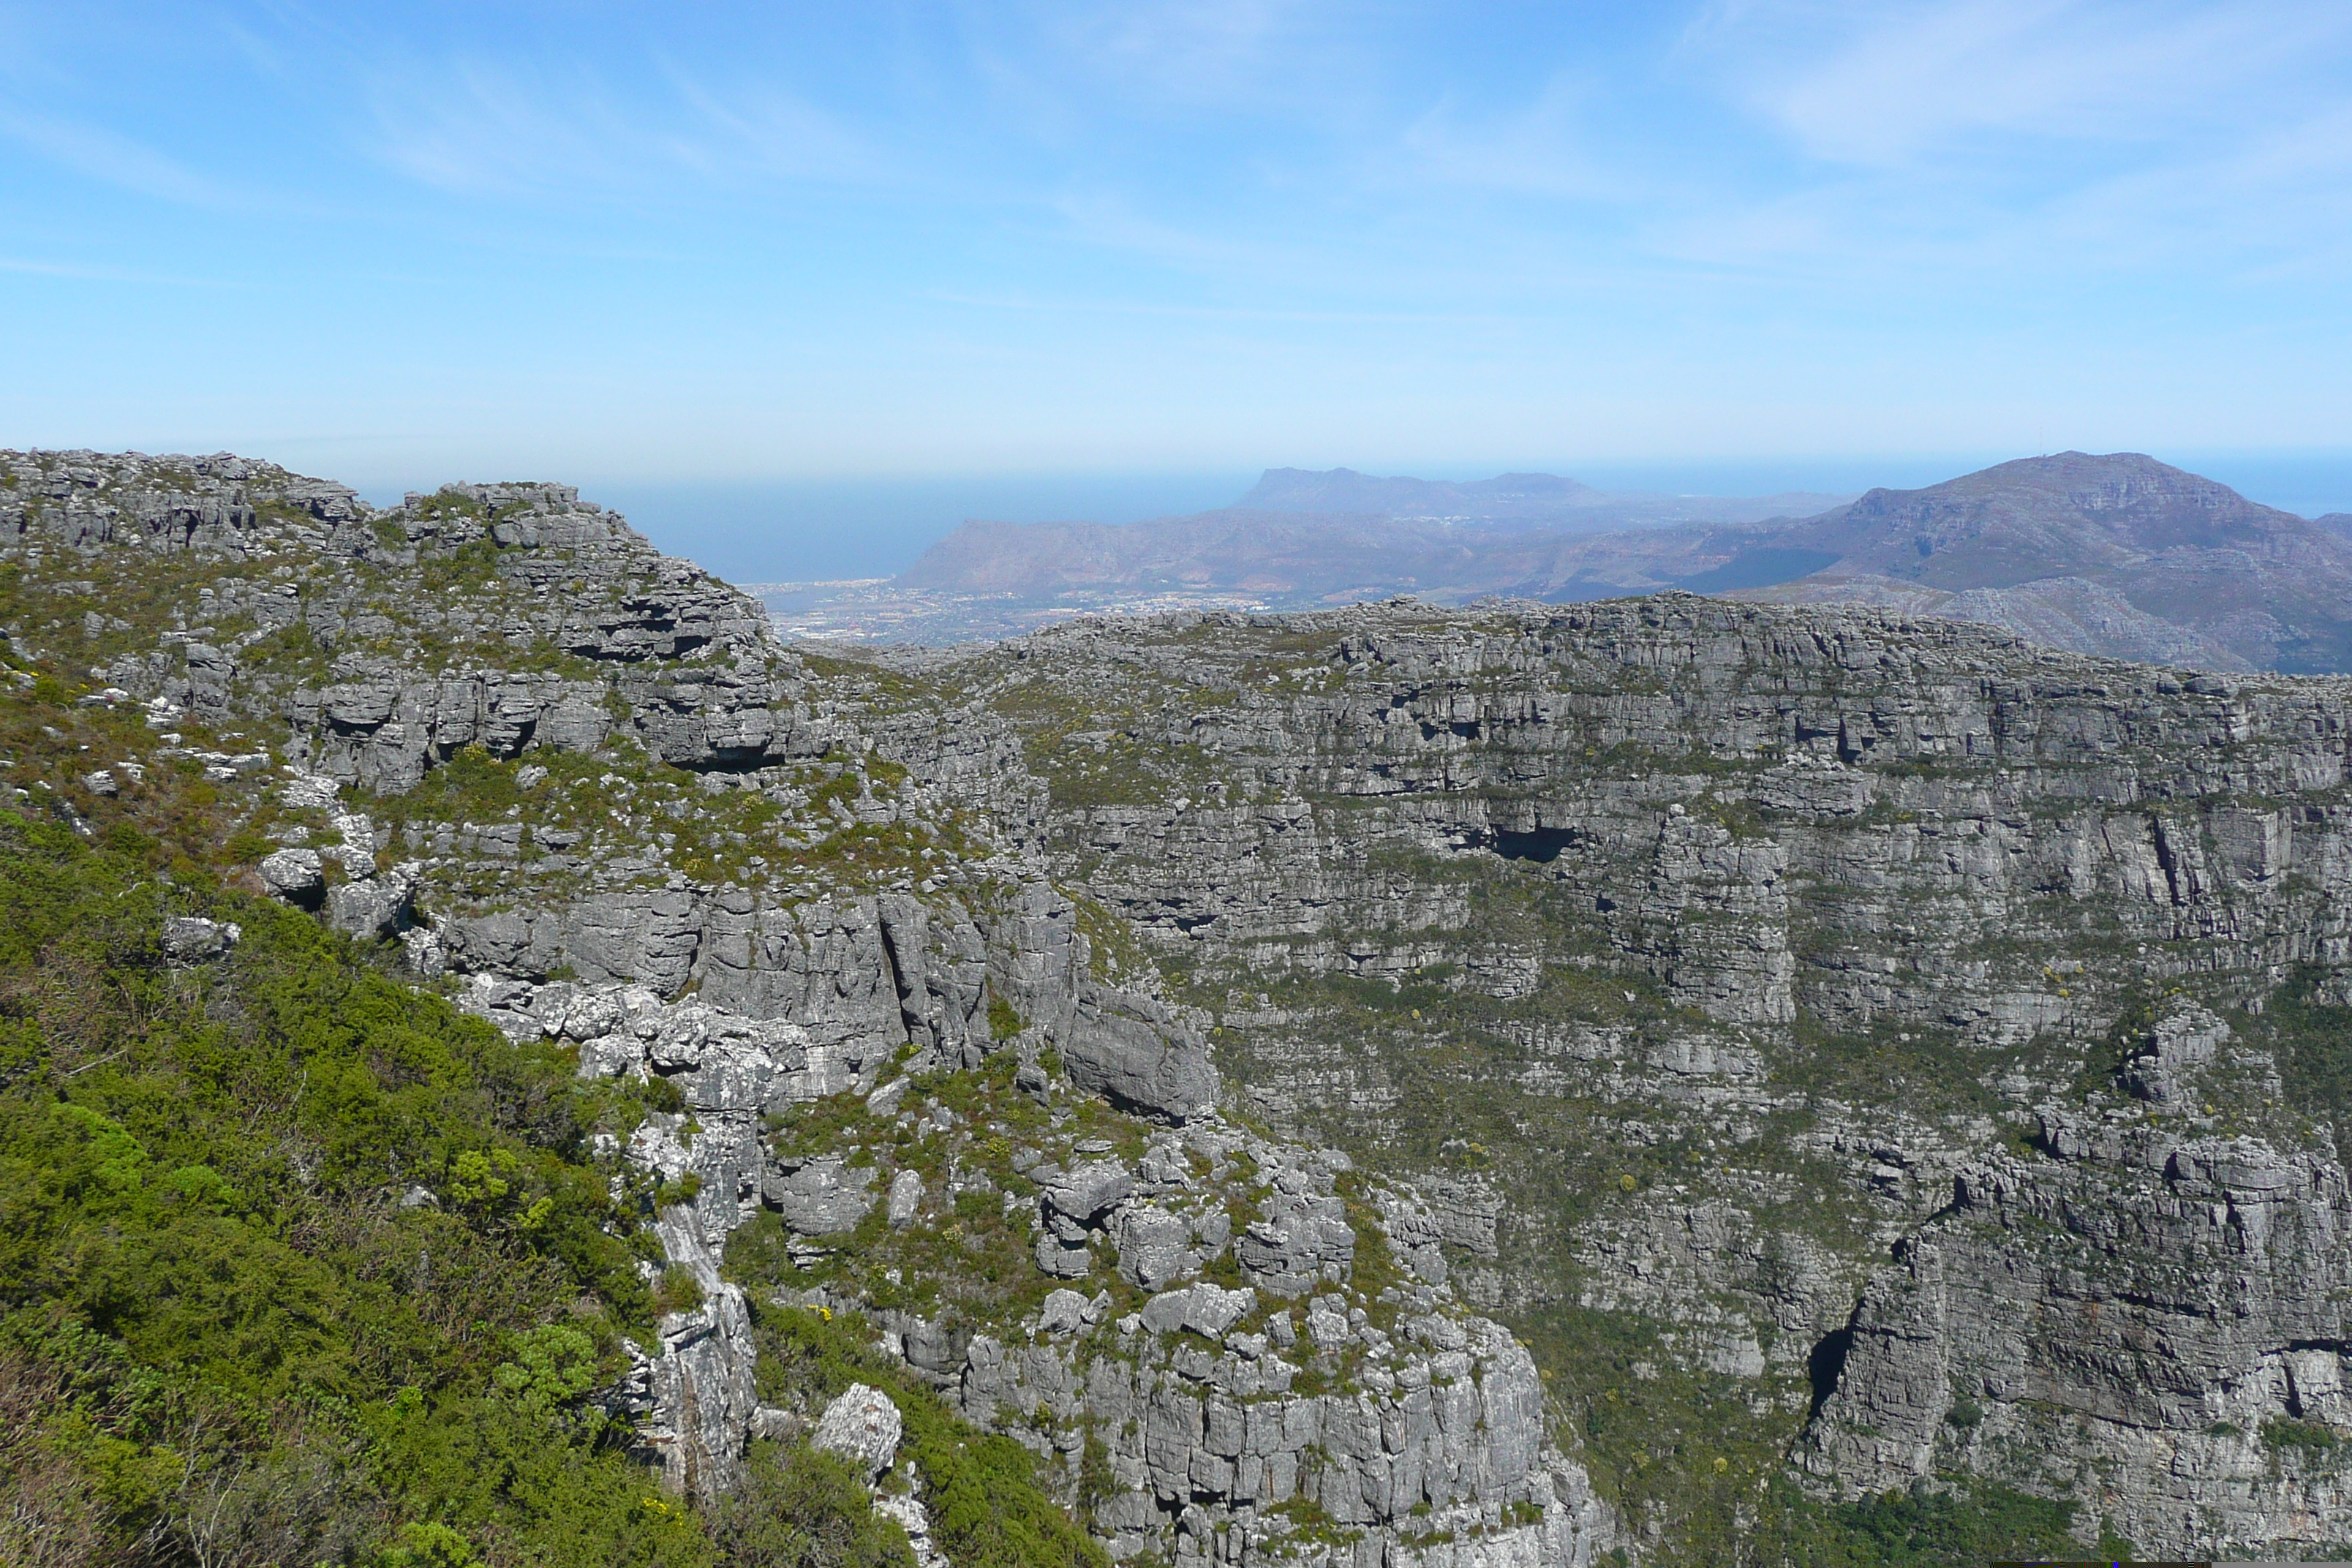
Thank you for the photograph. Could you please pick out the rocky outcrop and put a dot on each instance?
(1441, 1458)
(863, 1426)
(600, 702)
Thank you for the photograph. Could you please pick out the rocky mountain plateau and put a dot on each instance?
(1663, 1079)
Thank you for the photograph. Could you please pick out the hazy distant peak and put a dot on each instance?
(1532, 484)
(1345, 490)
(2081, 481)
(2177, 543)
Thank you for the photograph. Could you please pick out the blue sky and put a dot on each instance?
(650, 246)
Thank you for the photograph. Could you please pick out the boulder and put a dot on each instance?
(863, 1426)
(1133, 1052)
(295, 875)
(819, 1196)
(1205, 1309)
(190, 939)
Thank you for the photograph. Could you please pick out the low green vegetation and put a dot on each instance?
(299, 1264)
(303, 1258)
(1703, 1475)
(986, 1505)
(966, 1267)
(583, 807)
(802, 1508)
(2311, 1039)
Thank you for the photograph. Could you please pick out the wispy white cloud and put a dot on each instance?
(1541, 148)
(481, 128)
(771, 133)
(1993, 143)
(1067, 74)
(1879, 85)
(1394, 216)
(2277, 204)
(1089, 307)
(1108, 218)
(110, 157)
(1196, 50)
(87, 273)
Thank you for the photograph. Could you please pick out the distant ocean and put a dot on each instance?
(789, 530)
(794, 530)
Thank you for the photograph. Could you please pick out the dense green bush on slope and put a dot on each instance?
(298, 1256)
(1704, 1479)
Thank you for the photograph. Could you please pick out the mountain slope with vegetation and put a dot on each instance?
(447, 929)
(507, 1061)
(299, 1263)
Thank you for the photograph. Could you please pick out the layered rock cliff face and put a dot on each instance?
(583, 788)
(1842, 1052)
(1916, 1049)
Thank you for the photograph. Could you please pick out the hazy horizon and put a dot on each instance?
(790, 530)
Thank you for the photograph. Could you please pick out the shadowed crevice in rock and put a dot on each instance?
(1539, 844)
(1825, 1363)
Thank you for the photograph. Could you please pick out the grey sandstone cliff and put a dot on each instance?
(583, 786)
(1668, 1055)
(1761, 968)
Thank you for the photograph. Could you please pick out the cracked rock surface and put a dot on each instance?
(1828, 1016)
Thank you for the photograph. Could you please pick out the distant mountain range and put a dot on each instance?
(2118, 554)
(1302, 539)
(1510, 499)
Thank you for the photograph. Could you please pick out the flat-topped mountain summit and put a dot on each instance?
(1509, 500)
(1345, 490)
(1300, 539)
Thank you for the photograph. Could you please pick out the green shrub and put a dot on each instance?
(2309, 1436)
(798, 1508)
(1003, 1022)
(246, 847)
(986, 1506)
(677, 1291)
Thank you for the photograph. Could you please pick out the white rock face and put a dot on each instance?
(293, 873)
(1064, 1311)
(861, 1426)
(1207, 1309)
(906, 1196)
(915, 1521)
